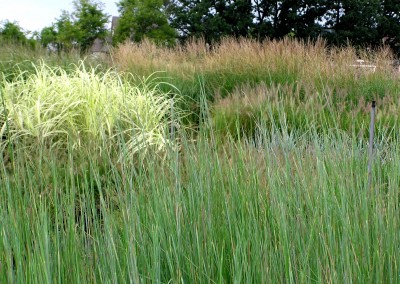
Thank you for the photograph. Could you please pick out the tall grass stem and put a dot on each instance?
(371, 142)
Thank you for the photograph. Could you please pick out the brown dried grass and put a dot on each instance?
(310, 60)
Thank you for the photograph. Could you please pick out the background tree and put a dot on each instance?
(265, 14)
(48, 37)
(277, 19)
(78, 29)
(12, 32)
(67, 33)
(235, 17)
(389, 24)
(141, 19)
(308, 21)
(356, 21)
(191, 18)
(211, 19)
(361, 22)
(89, 22)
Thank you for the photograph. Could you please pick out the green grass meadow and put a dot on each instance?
(245, 163)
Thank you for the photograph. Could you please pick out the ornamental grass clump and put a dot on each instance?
(83, 111)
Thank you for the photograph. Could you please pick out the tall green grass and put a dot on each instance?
(284, 207)
(288, 201)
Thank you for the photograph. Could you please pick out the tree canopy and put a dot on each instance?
(78, 29)
(360, 22)
(11, 32)
(144, 19)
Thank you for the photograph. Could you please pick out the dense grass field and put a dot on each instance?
(245, 162)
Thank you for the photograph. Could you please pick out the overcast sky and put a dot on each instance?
(33, 15)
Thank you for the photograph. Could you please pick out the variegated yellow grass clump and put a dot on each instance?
(84, 111)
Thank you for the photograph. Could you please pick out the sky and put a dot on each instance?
(33, 15)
